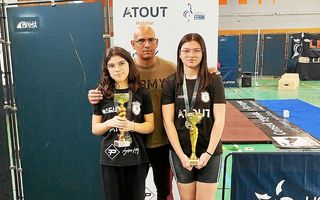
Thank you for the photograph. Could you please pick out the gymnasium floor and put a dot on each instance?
(265, 88)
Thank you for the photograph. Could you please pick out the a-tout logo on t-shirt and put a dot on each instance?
(112, 151)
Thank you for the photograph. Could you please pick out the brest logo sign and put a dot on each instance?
(27, 24)
(278, 194)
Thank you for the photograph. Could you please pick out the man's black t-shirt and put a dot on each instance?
(135, 154)
(213, 94)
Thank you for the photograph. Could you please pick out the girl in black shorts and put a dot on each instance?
(193, 89)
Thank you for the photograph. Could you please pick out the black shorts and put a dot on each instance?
(122, 183)
(208, 174)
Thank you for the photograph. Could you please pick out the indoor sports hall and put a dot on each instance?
(267, 53)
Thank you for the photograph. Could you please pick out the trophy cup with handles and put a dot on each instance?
(193, 119)
(124, 139)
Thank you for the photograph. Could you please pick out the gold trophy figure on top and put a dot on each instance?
(124, 139)
(193, 118)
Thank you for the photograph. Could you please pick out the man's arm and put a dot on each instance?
(94, 96)
(213, 70)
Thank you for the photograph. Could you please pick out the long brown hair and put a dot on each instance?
(107, 84)
(203, 71)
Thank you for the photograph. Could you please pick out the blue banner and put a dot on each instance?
(229, 76)
(281, 176)
(228, 53)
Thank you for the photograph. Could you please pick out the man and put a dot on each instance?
(153, 70)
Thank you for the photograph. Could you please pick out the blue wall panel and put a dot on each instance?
(56, 56)
(228, 53)
(274, 55)
(249, 46)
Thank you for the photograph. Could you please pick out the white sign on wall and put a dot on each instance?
(171, 21)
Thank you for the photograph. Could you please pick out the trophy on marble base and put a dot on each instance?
(124, 139)
(193, 119)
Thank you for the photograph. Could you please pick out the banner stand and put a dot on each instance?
(269, 175)
(225, 174)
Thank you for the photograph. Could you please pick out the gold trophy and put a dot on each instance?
(193, 119)
(124, 139)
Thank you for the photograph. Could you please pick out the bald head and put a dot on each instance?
(145, 44)
(144, 30)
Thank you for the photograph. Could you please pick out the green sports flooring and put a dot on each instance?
(264, 88)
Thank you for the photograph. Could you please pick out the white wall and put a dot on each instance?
(10, 1)
(172, 23)
(271, 14)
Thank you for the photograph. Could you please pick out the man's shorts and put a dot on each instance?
(208, 174)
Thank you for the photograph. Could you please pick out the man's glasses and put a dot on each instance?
(151, 41)
(194, 51)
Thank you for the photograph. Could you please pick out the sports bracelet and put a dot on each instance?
(209, 153)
